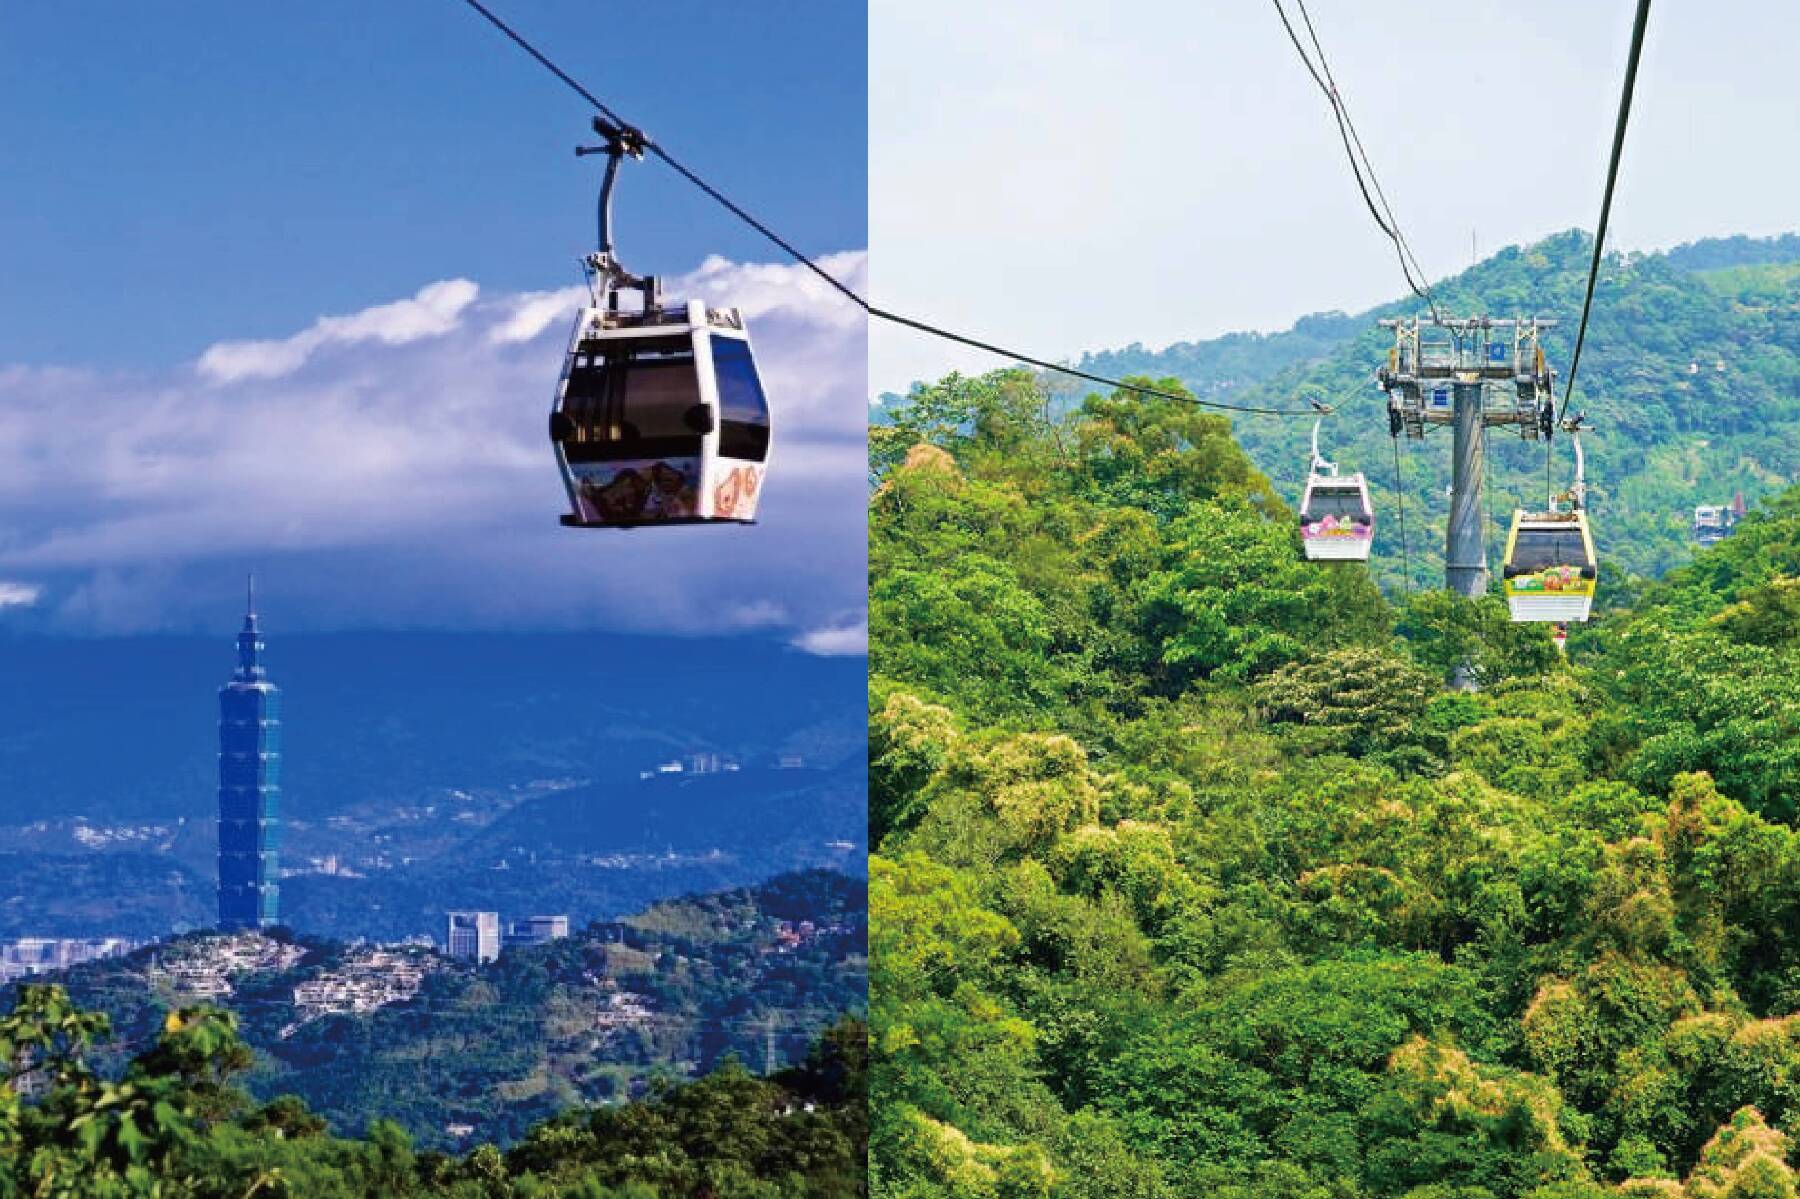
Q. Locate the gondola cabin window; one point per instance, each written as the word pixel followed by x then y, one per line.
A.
pixel 1540 549
pixel 660 394
pixel 1343 504
pixel 743 409
pixel 632 404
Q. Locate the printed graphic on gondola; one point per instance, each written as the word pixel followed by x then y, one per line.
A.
pixel 736 494
pixel 1337 526
pixel 1552 580
pixel 645 489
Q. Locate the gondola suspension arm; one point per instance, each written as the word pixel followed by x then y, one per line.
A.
pixel 1576 495
pixel 1578 490
pixel 622 141
pixel 1319 465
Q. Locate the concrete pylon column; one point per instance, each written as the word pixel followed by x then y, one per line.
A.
pixel 1465 546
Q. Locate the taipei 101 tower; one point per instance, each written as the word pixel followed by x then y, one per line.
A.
pixel 249 787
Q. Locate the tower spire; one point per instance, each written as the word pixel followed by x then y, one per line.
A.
pixel 249 640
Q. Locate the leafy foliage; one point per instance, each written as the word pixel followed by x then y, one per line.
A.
pixel 1194 880
pixel 173 1127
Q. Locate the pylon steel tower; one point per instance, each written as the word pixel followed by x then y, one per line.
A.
pixel 1472 374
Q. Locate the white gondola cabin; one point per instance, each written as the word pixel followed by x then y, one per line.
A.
pixel 1337 523
pixel 1550 571
pixel 660 418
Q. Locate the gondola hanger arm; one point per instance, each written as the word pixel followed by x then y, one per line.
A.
pixel 1319 465
pixel 621 141
pixel 1574 427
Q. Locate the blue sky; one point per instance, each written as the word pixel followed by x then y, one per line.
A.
pixel 287 289
pixel 221 169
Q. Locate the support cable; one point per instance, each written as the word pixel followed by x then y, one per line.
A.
pixel 1353 149
pixel 1606 200
pixel 838 285
pixel 1491 532
pixel 1400 505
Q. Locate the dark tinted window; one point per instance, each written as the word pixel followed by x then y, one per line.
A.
pixel 658 394
pixel 632 403
pixel 743 409
pixel 1334 503
pixel 1535 550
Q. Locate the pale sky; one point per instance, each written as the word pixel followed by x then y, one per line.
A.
pixel 1065 176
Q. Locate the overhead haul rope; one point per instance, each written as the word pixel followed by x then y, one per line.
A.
pixel 1491 532
pixel 1363 171
pixel 837 285
pixel 1549 485
pixel 1380 209
pixel 1612 179
pixel 1623 119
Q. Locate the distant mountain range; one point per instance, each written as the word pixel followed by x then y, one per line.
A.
pixel 602 850
pixel 1690 377
pixel 423 771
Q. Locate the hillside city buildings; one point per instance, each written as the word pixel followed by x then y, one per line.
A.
pixel 1714 522
pixel 536 930
pixel 473 935
pixel 29 956
pixel 476 936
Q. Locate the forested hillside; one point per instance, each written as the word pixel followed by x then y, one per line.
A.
pixel 175 1126
pixel 1194 880
pixel 1691 378
pixel 460 1053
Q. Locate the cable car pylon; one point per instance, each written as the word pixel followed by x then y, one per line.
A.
pixel 1473 374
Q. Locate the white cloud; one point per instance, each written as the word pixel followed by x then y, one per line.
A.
pixel 836 640
pixel 18 595
pixel 764 289
pixel 758 290
pixel 535 311
pixel 431 313
pixel 404 478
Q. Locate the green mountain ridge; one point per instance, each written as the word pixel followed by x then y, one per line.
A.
pixel 1671 430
